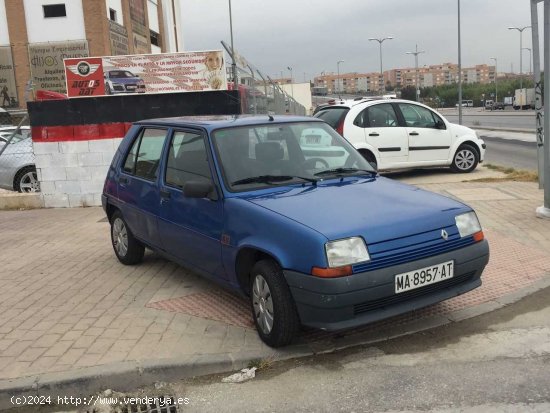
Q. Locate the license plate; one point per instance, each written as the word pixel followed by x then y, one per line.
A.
pixel 129 87
pixel 424 276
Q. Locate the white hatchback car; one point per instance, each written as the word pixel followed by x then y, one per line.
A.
pixel 395 134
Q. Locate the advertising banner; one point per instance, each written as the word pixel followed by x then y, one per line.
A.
pixel 46 63
pixel 151 73
pixel 8 93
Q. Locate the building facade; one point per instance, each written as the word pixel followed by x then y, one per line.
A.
pixel 434 75
pixel 36 35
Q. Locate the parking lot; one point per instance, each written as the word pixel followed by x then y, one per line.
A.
pixel 69 306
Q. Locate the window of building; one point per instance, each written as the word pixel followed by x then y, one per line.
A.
pixel 112 15
pixel 155 38
pixel 54 10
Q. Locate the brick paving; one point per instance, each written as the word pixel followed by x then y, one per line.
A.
pixel 66 303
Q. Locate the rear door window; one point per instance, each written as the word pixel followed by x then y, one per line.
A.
pixel 144 157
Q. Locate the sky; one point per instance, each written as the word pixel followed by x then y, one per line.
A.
pixel 311 36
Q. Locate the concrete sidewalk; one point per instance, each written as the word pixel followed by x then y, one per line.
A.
pixel 73 320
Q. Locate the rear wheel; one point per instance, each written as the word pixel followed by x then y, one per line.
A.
pixel 273 307
pixel 26 180
pixel 465 160
pixel 128 249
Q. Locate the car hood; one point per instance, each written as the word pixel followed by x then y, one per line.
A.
pixel 378 209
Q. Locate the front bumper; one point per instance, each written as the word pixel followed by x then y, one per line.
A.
pixel 347 302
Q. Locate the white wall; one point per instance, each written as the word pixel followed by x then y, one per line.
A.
pixel 72 174
pixel 171 34
pixel 54 29
pixel 117 6
pixel 152 10
pixel 4 35
pixel 302 94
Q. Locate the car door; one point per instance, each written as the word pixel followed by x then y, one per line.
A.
pixel 191 228
pixel 138 184
pixel 429 138
pixel 384 134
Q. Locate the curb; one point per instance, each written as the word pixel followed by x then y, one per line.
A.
pixel 499 129
pixel 15 201
pixel 126 376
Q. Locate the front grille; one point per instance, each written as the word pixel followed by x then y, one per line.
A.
pixel 408 295
pixel 393 252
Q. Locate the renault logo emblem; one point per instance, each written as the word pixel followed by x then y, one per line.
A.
pixel 444 235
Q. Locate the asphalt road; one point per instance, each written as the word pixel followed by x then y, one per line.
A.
pixel 498 119
pixel 498 362
pixel 510 153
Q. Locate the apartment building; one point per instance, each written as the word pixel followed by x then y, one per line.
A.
pixel 434 75
pixel 36 35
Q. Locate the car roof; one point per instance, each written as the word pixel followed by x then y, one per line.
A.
pixel 354 102
pixel 225 121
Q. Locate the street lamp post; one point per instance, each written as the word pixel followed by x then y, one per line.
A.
pixel 459 70
pixel 530 59
pixel 520 30
pixel 233 64
pixel 496 76
pixel 292 89
pixel 380 41
pixel 338 77
pixel 416 53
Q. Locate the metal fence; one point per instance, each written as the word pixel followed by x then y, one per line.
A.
pixel 259 93
pixel 17 166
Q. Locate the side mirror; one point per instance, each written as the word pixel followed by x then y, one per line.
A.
pixel 194 189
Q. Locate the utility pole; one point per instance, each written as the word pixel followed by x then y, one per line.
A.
pixel 416 53
pixel 459 71
pixel 496 77
pixel 233 63
pixel 380 41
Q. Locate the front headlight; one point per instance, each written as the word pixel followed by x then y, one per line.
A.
pixel 467 224
pixel 346 252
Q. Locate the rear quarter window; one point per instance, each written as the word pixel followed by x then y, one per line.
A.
pixel 332 116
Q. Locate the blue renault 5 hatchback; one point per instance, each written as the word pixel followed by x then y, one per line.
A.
pixel 286 211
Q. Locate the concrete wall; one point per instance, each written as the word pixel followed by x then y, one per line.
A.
pixel 72 173
pixel 4 34
pixel 40 29
pixel 302 94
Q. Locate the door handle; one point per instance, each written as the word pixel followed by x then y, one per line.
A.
pixel 165 194
pixel 374 134
pixel 123 180
pixel 414 134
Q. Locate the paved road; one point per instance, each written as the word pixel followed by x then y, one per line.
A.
pixel 499 119
pixel 495 363
pixel 511 153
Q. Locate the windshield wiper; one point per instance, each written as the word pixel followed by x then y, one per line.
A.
pixel 340 171
pixel 267 179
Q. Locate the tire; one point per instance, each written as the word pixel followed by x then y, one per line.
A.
pixel 108 89
pixel 26 180
pixel 270 299
pixel 128 249
pixel 465 159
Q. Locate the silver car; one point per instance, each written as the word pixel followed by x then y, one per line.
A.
pixel 17 168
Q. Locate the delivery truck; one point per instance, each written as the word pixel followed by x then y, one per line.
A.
pixel 524 99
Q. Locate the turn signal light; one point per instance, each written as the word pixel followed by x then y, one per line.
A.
pixel 478 236
pixel 332 272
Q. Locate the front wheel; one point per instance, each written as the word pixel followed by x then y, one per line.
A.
pixel 465 160
pixel 128 249
pixel 273 307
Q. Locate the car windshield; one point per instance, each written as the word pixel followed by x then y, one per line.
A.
pixel 278 154
pixel 118 74
pixel 18 137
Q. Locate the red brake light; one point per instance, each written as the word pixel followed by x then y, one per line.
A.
pixel 340 126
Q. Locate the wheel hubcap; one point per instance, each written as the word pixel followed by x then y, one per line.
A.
pixel 465 159
pixel 29 183
pixel 263 304
pixel 120 237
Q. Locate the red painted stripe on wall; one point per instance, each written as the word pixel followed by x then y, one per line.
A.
pixel 80 132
